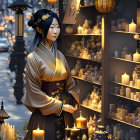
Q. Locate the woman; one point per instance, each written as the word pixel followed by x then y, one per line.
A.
pixel 51 93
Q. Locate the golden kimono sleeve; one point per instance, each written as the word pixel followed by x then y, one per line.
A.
pixel 71 87
pixel 35 98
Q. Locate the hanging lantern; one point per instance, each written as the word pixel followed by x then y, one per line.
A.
pixel 105 6
pixel 52 1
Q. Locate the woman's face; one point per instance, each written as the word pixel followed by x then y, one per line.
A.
pixel 53 31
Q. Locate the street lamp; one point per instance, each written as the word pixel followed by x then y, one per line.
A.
pixel 19 53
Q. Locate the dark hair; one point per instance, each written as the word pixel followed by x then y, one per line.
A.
pixel 42 24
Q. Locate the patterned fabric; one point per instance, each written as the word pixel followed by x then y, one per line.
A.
pixel 53 125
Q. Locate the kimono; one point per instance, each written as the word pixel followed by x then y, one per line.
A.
pixel 43 67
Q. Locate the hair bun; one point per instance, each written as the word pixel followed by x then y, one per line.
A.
pixel 31 23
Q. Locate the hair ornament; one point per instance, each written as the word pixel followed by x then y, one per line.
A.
pixel 45 16
pixel 32 16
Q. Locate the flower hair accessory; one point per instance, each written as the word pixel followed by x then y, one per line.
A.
pixel 45 16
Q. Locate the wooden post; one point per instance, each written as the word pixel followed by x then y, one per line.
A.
pixel 105 68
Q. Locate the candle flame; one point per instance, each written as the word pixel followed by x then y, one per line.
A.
pixel 81 114
pixel 74 126
pixel 38 128
pixel 133 21
pixel 67 126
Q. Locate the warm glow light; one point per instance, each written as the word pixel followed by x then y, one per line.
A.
pixel 2 28
pixel 38 134
pixel 52 1
pixel 132 26
pixel 125 79
pixel 105 6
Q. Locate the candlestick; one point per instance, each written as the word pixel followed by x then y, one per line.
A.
pixel 136 57
pixel 132 26
pixel 125 79
pixel 80 30
pixel 38 134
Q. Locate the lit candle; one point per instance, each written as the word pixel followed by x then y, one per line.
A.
pixel 38 134
pixel 132 26
pixel 136 57
pixel 67 131
pixel 80 30
pixel 125 79
pixel 81 122
pixel 75 133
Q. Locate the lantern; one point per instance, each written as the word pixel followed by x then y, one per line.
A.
pixel 105 6
pixel 3 114
pixel 52 1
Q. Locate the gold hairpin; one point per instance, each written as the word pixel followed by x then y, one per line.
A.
pixel 45 16
pixel 39 20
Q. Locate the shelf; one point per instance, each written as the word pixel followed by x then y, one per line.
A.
pixel 88 6
pixel 124 97
pixel 123 122
pixel 121 59
pixel 90 108
pixel 126 32
pixel 125 85
pixel 82 34
pixel 96 83
pixel 83 58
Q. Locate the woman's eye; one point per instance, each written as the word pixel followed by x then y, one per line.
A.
pixel 58 27
pixel 51 27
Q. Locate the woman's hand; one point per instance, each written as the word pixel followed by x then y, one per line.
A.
pixel 68 108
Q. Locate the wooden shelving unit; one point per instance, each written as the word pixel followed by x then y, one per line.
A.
pixel 88 6
pixel 82 34
pixel 96 111
pixel 111 42
pixel 120 121
pixel 117 95
pixel 125 85
pixel 96 83
pixel 120 59
pixel 124 32
pixel 85 86
pixel 83 58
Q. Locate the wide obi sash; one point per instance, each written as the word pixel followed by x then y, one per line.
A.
pixel 54 89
